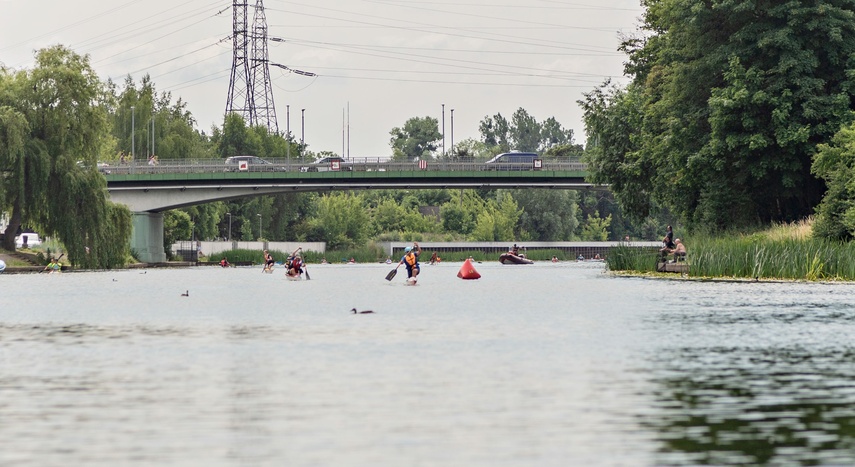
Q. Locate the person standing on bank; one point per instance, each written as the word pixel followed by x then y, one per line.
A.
pixel 667 242
pixel 411 260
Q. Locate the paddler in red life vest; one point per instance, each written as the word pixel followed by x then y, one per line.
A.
pixel 411 260
pixel 295 263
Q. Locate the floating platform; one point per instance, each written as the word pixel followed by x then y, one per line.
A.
pixel 680 268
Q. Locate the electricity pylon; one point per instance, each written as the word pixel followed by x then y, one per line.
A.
pixel 250 94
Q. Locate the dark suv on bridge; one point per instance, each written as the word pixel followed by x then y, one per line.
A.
pixel 512 161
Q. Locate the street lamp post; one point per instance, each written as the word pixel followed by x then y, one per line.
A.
pixel 133 127
pixel 288 133
pixel 152 132
pixel 230 225
pixel 452 130
pixel 443 130
pixel 259 227
pixel 302 126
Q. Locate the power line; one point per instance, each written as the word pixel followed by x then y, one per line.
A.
pixel 465 64
pixel 450 31
pixel 175 31
pixel 69 26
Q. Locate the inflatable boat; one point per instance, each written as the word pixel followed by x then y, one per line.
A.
pixel 509 258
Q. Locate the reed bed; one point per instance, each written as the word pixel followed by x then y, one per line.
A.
pixel 779 253
pixel 804 259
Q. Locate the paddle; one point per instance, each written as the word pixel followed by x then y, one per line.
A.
pixel 391 274
pixel 306 270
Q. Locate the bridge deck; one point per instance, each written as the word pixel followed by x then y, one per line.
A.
pixel 369 175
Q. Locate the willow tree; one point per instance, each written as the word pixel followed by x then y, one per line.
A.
pixel 53 123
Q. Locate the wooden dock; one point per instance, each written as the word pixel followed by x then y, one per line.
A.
pixel 680 268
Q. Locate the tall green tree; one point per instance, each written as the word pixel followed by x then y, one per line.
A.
pixel 496 133
pixel 64 106
pixel 145 123
pixel 733 97
pixel 498 222
pixel 613 118
pixel 523 133
pixel 553 135
pixel 417 139
pixel 460 214
pixel 595 228
pixel 238 140
pixel 342 220
pixel 547 215
pixel 835 163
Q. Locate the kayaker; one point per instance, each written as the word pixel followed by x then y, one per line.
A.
pixel 53 265
pixel 268 262
pixel 411 260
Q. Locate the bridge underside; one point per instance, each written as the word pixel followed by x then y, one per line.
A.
pixel 149 196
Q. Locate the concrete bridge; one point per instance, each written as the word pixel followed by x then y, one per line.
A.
pixel 149 190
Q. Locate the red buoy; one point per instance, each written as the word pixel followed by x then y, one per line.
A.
pixel 467 271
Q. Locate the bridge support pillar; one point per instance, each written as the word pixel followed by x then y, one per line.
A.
pixel 147 237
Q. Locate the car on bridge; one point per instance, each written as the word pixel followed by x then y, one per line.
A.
pixel 513 161
pixel 251 164
pixel 329 164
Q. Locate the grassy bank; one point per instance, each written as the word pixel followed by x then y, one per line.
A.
pixel 781 252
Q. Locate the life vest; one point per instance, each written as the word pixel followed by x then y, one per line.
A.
pixel 411 259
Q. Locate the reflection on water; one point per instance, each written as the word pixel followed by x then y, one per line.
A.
pixel 755 374
pixel 744 405
pixel 548 365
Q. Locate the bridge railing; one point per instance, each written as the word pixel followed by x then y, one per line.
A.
pixel 168 166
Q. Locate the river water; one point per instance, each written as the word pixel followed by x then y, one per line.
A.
pixel 546 364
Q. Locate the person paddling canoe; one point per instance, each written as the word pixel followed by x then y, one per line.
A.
pixel 295 263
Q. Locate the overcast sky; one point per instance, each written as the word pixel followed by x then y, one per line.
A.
pixel 387 60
